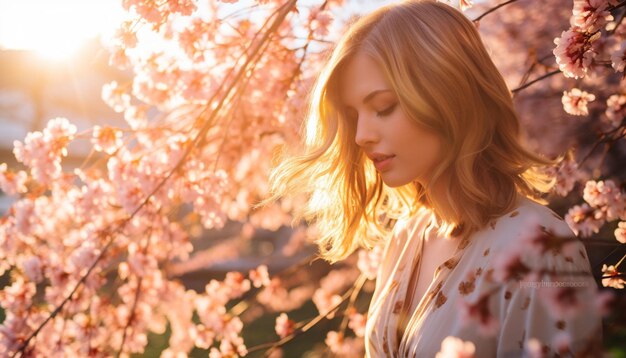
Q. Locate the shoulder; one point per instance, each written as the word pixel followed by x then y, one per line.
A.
pixel 510 228
pixel 536 236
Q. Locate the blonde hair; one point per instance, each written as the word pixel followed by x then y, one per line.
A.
pixel 445 81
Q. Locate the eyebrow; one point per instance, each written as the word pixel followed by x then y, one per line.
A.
pixel 373 94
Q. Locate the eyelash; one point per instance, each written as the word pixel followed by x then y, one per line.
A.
pixel 384 113
pixel 389 110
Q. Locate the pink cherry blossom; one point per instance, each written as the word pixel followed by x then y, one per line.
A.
pixel 149 11
pixel 618 58
pixel 344 346
pixel 582 220
pixel 562 343
pixel 575 102
pixel 11 182
pixel 478 313
pixel 566 176
pixel 59 130
pixel 606 197
pixel 620 232
pixel 83 257
pixel 562 302
pixel 509 265
pixel 357 322
pixel 284 326
pixel 533 348
pixel 320 21
pixel 237 284
pixel 465 4
pixel 42 151
pixel 23 216
pixel 203 336
pixel 125 36
pixel 119 58
pixel 453 347
pixel 332 285
pixel 574 52
pixel 115 96
pixel 136 117
pixel 611 277
pixel 197 86
pixel 259 276
pixel 183 7
pixel 369 261
pixel 151 86
pixel 106 139
pixel 324 301
pixel 277 298
pixel 590 15
pixel 33 269
pixel 17 297
pixel 615 109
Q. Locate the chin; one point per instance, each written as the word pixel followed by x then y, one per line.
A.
pixel 394 182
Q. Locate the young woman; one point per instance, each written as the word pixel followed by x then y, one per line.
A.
pixel 412 139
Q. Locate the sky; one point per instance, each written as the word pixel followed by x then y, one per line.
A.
pixel 58 27
pixel 55 27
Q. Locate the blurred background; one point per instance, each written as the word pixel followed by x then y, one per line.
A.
pixel 53 63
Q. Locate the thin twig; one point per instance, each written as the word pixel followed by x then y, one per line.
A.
pixel 493 9
pixel 273 345
pixel 549 74
pixel 605 137
pixel 620 261
pixel 355 293
pixel 131 317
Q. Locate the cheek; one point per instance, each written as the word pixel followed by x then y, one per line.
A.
pixel 424 146
pixel 420 147
pixel 431 145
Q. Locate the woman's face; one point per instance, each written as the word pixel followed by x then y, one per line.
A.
pixel 401 150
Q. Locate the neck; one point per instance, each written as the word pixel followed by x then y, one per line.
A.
pixel 440 203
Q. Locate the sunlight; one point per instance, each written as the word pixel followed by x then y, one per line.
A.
pixel 55 29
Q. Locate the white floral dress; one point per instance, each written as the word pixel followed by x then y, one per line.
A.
pixel 523 314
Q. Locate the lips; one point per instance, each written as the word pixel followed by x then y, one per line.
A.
pixel 381 161
pixel 379 156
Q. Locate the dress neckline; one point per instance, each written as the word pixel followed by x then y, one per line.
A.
pixel 433 289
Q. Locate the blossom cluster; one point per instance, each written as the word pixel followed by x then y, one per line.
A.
pixel 575 51
pixel 196 152
pixel 42 151
pixel 605 202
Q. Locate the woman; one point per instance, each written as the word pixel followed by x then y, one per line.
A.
pixel 411 123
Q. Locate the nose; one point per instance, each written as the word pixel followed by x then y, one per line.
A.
pixel 366 132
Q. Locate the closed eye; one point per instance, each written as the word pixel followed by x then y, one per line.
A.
pixel 387 111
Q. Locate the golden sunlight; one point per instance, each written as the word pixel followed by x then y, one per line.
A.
pixel 55 29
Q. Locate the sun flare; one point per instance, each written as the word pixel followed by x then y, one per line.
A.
pixel 55 29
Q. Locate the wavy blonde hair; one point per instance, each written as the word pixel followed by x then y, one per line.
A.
pixel 445 81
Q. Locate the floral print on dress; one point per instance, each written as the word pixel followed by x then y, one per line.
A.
pixel 520 315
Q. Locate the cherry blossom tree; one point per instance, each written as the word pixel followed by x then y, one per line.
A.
pixel 218 88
